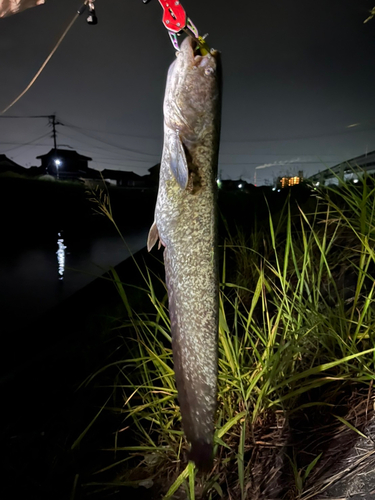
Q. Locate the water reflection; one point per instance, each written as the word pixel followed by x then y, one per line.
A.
pixel 61 256
pixel 29 286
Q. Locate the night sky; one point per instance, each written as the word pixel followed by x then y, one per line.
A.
pixel 299 83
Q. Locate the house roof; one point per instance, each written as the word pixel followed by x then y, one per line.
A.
pixel 120 174
pixel 65 153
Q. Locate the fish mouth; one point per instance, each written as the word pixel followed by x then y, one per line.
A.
pixel 195 47
pixel 196 50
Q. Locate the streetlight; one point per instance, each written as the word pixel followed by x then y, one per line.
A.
pixel 57 164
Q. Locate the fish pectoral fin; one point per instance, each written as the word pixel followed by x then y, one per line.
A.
pixel 153 236
pixel 178 161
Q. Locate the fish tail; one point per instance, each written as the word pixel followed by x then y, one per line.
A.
pixel 201 453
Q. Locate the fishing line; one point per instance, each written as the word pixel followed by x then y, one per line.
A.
pixel 76 15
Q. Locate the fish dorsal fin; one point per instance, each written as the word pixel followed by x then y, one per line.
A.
pixel 153 236
pixel 178 161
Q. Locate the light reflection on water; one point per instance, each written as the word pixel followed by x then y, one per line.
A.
pixel 28 284
pixel 61 256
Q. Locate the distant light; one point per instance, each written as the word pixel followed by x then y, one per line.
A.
pixel 61 256
pixel 355 181
pixel 240 186
pixel 273 189
pixel 218 181
pixel 58 162
pixel 278 190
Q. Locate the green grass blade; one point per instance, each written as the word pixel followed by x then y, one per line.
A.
pixel 350 426
pixel 176 485
pixel 83 434
pixel 311 466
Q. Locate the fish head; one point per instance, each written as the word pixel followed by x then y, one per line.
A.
pixel 192 98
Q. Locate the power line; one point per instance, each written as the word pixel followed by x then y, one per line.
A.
pixel 117 147
pixel 121 158
pixel 111 133
pixel 295 163
pixel 113 145
pixel 52 119
pixel 122 165
pixel 24 117
pixel 301 138
pixel 223 143
pixel 20 144
pixel 27 143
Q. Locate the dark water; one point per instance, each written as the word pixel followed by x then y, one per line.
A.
pixel 38 278
pixel 53 244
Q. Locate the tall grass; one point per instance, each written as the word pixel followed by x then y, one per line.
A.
pixel 296 325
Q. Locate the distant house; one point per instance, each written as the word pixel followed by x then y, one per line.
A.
pixel 153 176
pixel 124 178
pixel 289 181
pixel 65 164
pixel 130 179
pixel 8 165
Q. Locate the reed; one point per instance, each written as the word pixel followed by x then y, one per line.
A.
pixel 296 329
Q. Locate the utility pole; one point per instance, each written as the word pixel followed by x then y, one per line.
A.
pixel 57 162
pixel 54 123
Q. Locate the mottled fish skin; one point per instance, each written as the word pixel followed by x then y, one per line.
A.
pixel 186 224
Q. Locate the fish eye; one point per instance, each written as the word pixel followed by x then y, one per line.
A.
pixel 209 71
